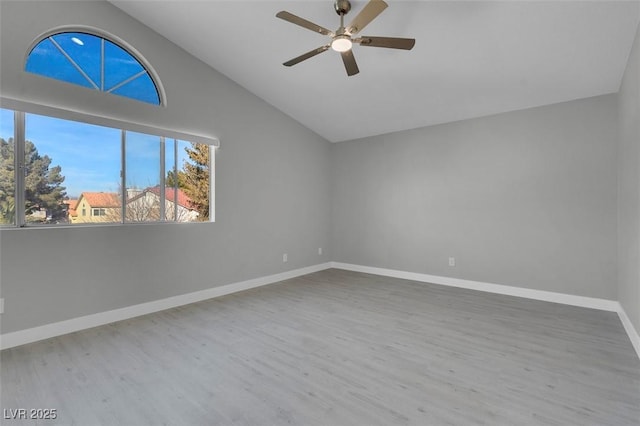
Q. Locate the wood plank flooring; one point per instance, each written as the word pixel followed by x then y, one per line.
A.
pixel 337 348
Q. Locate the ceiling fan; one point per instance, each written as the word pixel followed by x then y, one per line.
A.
pixel 342 40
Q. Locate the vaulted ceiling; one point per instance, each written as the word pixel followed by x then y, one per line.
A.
pixel 471 59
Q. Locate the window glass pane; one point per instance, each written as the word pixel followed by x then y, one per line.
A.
pixel 143 177
pixel 193 178
pixel 47 60
pixel 141 88
pixel 71 168
pixel 7 175
pixel 85 51
pixel 66 56
pixel 119 65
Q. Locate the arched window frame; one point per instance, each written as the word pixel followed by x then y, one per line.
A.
pixel 153 75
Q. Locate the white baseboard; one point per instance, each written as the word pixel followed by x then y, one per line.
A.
pixel 16 338
pixel 630 329
pixel 547 296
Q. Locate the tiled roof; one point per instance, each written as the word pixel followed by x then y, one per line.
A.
pixel 102 199
pixel 71 209
pixel 183 199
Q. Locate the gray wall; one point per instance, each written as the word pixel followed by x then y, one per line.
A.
pixel 525 199
pixel 272 192
pixel 629 187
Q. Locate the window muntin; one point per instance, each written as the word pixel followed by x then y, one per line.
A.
pixel 94 62
pixel 74 174
pixel 171 211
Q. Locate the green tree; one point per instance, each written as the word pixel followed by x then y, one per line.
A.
pixel 43 183
pixel 196 175
pixel 193 179
pixel 7 182
pixel 175 182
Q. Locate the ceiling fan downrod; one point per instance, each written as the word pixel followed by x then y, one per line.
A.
pixel 342 7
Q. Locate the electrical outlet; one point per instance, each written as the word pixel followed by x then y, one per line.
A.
pixel 452 261
pixel 2 306
pixel 285 257
pixel 320 251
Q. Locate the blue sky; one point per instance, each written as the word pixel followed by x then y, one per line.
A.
pixel 86 51
pixel 90 156
pixel 6 124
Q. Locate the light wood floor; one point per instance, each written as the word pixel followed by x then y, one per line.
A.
pixel 337 348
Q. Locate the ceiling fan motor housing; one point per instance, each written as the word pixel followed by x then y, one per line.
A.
pixel 342 7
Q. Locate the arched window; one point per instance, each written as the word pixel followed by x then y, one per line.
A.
pixel 94 62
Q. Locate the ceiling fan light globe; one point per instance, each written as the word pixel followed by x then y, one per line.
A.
pixel 341 44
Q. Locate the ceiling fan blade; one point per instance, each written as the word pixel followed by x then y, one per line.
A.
pixel 350 62
pixel 388 42
pixel 366 15
pixel 306 56
pixel 290 17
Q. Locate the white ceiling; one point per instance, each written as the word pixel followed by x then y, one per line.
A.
pixel 471 59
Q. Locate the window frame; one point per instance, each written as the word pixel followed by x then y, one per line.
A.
pixel 155 78
pixel 19 145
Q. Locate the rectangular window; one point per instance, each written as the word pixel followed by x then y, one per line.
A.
pixel 120 176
